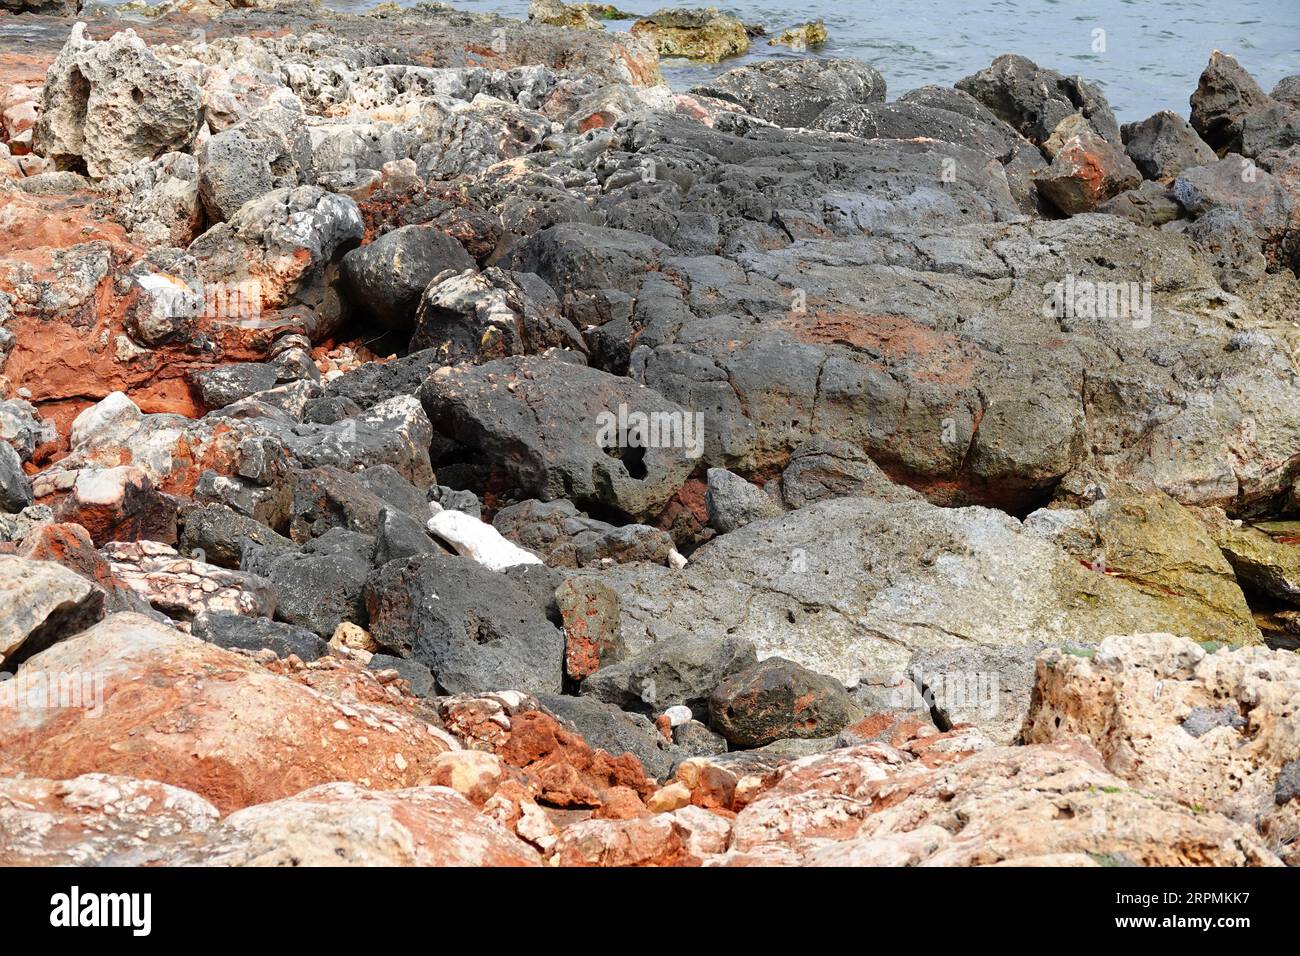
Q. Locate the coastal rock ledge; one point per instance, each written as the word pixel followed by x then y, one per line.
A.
pixel 430 439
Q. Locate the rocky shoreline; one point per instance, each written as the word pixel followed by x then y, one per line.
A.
pixel 428 439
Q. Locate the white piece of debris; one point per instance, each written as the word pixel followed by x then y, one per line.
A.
pixel 472 538
pixel 678 715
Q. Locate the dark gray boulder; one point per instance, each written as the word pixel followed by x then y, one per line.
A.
pixel 1151 204
pixel 326 498
pixel 1165 144
pixel 393 432
pixel 679 670
pixel 398 535
pixel 1230 244
pixel 15 487
pixel 551 429
pixel 795 92
pixel 824 468
pixel 776 699
pixel 1288 783
pixel 473 628
pixel 284 403
pixel 456 499
pixel 593 269
pixel 218 535
pixel 1035 100
pixel 565 537
pixel 385 278
pixel 969 125
pixel 1287 90
pixel 1225 95
pixel 732 502
pixel 539 583
pixel 54 7
pixel 386 482
pixel 953 100
pixel 1273 129
pixel 234 168
pixel 320 586
pixel 329 409
pixel 266 504
pixel 1201 720
pixel 1263 201
pixel 696 739
pixel 240 632
pixel 377 382
pixel 227 384
pixel 476 317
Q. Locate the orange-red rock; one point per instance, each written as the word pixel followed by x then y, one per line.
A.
pixel 119 504
pixel 646 841
pixel 568 771
pixel 565 770
pixel 196 716
pixel 70 545
pixel 685 837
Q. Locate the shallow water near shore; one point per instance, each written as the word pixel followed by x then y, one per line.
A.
pixel 1154 50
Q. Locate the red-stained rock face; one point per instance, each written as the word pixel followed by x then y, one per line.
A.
pixel 710 786
pixel 569 772
pixel 172 708
pixel 122 467
pixel 564 771
pixel 120 504
pixel 72 344
pixel 1086 172
pixel 71 545
pixel 685 837
pixel 590 614
pixel 653 841
pixel 685 516
pixel 917 736
pixel 474 774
